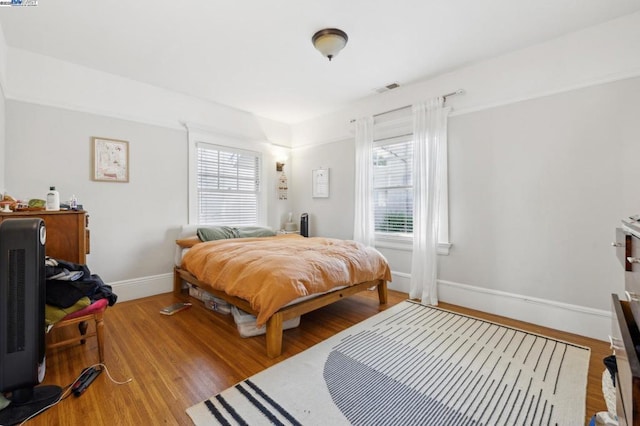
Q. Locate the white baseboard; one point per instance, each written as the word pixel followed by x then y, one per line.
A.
pixel 594 323
pixel 400 282
pixel 137 288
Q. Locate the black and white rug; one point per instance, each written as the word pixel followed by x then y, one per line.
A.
pixel 414 364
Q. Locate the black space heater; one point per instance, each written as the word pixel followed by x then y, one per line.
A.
pixel 304 224
pixel 22 327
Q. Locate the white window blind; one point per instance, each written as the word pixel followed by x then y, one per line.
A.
pixel 393 185
pixel 228 185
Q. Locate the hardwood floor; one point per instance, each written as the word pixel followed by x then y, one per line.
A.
pixel 177 361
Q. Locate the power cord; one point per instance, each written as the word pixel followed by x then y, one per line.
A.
pixel 106 370
pixel 68 389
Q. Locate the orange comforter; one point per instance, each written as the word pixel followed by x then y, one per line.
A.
pixel 270 272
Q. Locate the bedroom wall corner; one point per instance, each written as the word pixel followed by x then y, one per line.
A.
pixel 279 203
pixel 333 216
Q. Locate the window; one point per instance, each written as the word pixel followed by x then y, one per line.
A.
pixel 227 185
pixel 393 185
pixel 393 203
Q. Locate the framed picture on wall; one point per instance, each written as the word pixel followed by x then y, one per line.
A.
pixel 320 183
pixel 110 160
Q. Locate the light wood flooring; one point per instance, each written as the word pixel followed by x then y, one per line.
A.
pixel 177 361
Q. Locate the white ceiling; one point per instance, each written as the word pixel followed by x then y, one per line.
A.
pixel 256 55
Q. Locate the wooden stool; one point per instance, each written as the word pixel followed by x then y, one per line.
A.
pixel 94 312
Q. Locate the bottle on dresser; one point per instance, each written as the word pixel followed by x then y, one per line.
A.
pixel 53 199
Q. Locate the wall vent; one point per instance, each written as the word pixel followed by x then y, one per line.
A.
pixel 387 87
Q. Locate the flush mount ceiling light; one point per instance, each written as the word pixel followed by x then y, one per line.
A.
pixel 330 41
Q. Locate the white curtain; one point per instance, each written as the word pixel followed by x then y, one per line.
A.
pixel 429 160
pixel 363 226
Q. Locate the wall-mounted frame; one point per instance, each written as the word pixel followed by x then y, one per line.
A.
pixel 110 160
pixel 320 183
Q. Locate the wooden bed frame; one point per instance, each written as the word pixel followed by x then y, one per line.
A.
pixel 274 323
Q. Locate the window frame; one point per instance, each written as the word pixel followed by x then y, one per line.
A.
pixel 399 124
pixel 232 145
pixel 405 138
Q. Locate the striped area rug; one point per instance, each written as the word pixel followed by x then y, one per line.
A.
pixel 414 364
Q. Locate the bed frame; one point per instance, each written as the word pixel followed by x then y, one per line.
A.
pixel 274 323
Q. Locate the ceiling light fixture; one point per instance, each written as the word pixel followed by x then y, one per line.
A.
pixel 330 41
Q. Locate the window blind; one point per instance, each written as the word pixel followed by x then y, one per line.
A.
pixel 393 185
pixel 228 185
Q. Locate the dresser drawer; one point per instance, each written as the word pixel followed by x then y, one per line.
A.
pixel 625 337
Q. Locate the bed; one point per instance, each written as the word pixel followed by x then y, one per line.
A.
pixel 277 277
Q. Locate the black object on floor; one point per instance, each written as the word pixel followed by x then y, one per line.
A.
pixel 86 378
pixel 43 396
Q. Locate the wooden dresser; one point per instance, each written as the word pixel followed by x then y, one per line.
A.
pixel 625 338
pixel 67 233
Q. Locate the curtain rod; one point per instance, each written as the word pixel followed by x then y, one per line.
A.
pixel 457 92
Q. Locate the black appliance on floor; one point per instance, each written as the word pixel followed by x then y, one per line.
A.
pixel 304 224
pixel 22 327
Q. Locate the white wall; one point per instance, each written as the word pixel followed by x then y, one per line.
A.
pixel 542 158
pixel 328 217
pixel 133 225
pixel 537 189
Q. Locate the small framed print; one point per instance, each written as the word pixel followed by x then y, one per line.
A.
pixel 110 160
pixel 320 183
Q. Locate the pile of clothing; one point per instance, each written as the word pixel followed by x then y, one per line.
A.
pixel 71 287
